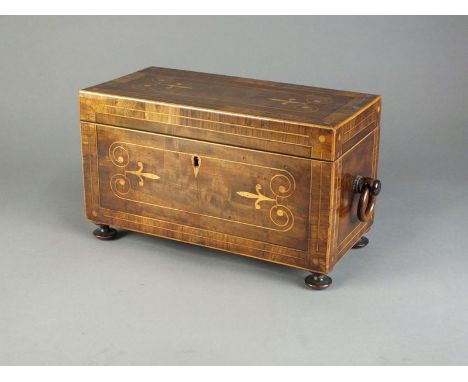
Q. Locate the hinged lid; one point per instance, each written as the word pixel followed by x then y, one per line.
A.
pixel 270 116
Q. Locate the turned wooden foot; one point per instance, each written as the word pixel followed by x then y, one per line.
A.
pixel 318 281
pixel 363 241
pixel 104 232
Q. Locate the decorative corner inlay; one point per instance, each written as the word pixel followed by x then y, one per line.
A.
pixel 282 187
pixel 120 183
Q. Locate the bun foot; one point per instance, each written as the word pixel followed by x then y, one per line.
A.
pixel 318 281
pixel 104 232
pixel 363 241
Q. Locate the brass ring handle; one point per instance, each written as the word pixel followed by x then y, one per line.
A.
pixel 369 189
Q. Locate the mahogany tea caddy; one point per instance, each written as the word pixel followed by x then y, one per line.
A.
pixel 279 172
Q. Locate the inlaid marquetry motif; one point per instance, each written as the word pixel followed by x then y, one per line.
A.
pixel 307 104
pixel 140 174
pixel 291 101
pixel 162 83
pixel 120 183
pixel 278 216
pixel 282 187
pixel 177 85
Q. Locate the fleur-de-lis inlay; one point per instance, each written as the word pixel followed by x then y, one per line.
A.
pixel 120 157
pixel 140 174
pixel 282 186
pixel 259 196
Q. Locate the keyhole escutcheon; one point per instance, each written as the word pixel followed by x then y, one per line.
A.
pixel 196 162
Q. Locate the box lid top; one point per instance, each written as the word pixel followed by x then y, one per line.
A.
pixel 260 99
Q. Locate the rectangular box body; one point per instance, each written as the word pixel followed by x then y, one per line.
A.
pixel 257 168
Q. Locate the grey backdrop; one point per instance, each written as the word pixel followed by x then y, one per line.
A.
pixel 66 298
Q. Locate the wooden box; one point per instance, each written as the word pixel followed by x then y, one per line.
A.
pixel 283 173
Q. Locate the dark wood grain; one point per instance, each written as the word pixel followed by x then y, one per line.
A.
pixel 347 228
pixel 290 119
pixel 231 189
pixel 264 99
